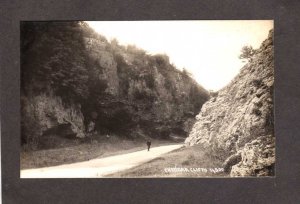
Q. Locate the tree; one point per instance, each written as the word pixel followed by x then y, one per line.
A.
pixel 247 53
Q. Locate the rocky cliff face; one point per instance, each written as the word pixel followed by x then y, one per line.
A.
pixel 151 94
pixel 237 125
pixel 75 82
pixel 46 115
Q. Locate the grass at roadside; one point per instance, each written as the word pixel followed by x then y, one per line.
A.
pixel 195 159
pixel 83 152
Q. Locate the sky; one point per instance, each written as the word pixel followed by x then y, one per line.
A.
pixel 208 49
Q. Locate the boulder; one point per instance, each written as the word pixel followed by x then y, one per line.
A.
pixel 257 158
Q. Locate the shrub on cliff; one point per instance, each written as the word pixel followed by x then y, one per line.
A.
pixel 161 60
pixel 247 52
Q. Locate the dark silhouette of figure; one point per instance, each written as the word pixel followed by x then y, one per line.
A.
pixel 148 145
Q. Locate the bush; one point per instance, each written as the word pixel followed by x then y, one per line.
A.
pixel 247 52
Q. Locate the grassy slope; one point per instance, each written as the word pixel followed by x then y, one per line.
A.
pixel 83 152
pixel 186 157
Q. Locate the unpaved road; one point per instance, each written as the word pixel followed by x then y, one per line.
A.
pixel 99 167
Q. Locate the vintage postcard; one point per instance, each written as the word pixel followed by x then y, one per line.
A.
pixel 135 99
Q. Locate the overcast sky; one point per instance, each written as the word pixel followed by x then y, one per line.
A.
pixel 207 49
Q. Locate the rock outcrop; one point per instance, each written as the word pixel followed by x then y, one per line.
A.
pixel 237 124
pixel 46 115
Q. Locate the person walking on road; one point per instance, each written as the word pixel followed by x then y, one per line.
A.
pixel 148 144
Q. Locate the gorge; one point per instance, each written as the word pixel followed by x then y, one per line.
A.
pixel 76 85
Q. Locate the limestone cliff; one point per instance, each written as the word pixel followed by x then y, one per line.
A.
pixel 75 82
pixel 237 124
pixel 46 114
pixel 147 91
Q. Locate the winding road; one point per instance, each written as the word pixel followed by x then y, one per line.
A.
pixel 97 168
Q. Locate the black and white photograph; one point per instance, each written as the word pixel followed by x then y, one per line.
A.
pixel 147 99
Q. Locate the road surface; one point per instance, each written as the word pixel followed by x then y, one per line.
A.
pixel 99 167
